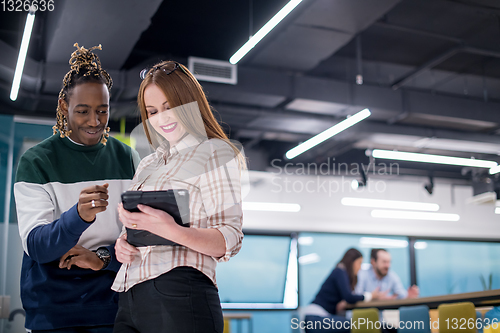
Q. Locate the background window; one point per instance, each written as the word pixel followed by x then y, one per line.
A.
pixel 320 253
pixel 258 273
pixel 451 267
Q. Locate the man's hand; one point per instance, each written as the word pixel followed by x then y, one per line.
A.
pixel 125 252
pixel 381 295
pixel 81 257
pixel 92 200
pixel 413 292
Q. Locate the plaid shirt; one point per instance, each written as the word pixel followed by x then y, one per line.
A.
pixel 209 171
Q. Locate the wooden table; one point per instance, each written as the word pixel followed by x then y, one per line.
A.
pixel 479 298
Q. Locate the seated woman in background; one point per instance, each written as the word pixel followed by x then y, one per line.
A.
pixel 333 295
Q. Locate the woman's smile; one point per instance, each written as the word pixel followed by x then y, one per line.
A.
pixel 169 128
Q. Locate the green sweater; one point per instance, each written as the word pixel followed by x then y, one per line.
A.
pixel 49 179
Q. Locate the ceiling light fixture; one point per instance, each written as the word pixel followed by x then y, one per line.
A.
pixel 420 245
pixel 436 159
pixel 16 83
pixel 310 258
pixel 391 204
pixel 326 134
pixel 255 39
pixel 408 215
pixel 271 207
pixel 382 242
pixel 495 170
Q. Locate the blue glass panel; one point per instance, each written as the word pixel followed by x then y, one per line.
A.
pixel 257 274
pixel 451 267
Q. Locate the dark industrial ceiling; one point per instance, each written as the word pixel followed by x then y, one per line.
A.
pixel 431 70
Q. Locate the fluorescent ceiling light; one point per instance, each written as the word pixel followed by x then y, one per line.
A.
pixel 399 214
pixel 458 145
pixel 495 170
pixel 305 241
pixel 308 259
pixel 264 31
pixel 326 134
pixel 437 159
pixel 22 55
pixel 420 245
pixel 497 210
pixel 382 242
pixel 435 143
pixel 378 203
pixel 271 207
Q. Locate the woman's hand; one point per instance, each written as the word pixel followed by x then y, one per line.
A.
pixel 125 252
pixel 150 219
pixel 92 200
pixel 208 241
pixel 81 257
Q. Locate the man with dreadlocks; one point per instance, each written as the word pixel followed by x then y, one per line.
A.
pixel 63 188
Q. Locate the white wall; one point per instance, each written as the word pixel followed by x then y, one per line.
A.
pixel 321 210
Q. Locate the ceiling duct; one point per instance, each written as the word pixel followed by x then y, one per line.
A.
pixel 213 70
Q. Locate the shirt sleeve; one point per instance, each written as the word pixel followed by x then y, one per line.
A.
pixel 360 286
pixel 397 286
pixel 44 238
pixel 220 188
pixel 342 281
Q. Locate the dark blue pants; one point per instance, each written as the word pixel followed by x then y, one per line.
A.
pixel 182 300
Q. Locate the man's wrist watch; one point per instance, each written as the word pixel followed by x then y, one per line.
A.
pixel 103 254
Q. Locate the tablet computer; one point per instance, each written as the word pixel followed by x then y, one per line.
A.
pixel 174 202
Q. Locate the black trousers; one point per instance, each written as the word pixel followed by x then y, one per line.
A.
pixel 180 301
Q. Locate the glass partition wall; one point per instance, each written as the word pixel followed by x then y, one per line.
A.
pixel 17 135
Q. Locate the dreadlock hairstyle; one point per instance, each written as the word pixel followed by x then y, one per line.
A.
pixel 85 68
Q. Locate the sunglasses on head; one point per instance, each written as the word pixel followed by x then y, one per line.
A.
pixel 168 68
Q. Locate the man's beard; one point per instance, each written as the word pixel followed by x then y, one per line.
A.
pixel 379 272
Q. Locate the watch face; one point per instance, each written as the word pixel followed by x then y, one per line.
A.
pixel 103 254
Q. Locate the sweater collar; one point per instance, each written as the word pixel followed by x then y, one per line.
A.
pixel 83 148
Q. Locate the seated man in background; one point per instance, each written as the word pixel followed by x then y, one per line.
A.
pixel 380 279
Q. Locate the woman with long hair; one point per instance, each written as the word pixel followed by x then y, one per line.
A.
pixel 334 293
pixel 172 287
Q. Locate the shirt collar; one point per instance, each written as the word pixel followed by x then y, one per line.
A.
pixel 186 142
pixel 375 276
pixel 76 143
